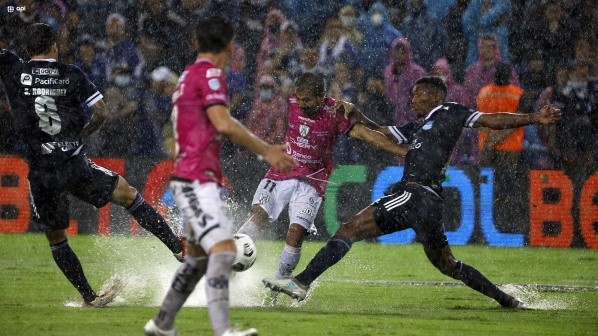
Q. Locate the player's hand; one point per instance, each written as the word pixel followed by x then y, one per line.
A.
pixel 347 107
pixel 277 157
pixel 548 115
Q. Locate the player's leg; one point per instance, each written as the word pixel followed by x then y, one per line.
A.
pixel 128 197
pixel 361 226
pixel 257 220
pixel 51 209
pixel 303 206
pixel 442 258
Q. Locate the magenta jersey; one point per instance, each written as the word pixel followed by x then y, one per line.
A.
pixel 200 86
pixel 310 142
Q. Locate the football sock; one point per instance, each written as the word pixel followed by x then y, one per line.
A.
pixel 185 279
pixel 474 279
pixel 150 220
pixel 219 268
pixel 289 258
pixel 69 264
pixel 335 250
pixel 249 228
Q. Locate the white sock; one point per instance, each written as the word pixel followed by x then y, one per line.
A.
pixel 217 294
pixel 250 228
pixel 289 258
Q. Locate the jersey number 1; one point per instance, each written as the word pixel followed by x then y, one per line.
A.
pixel 49 120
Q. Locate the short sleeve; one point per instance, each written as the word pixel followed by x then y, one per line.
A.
pixel 461 114
pixel 213 85
pixel 86 90
pixel 403 133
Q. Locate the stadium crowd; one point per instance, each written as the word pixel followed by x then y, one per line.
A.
pixel 370 52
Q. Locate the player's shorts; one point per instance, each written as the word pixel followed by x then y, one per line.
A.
pixel 416 207
pixel 303 200
pixel 205 212
pixel 79 176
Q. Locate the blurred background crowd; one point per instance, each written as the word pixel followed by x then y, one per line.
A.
pixel 370 52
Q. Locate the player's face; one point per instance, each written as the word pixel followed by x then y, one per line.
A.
pixel 425 98
pixel 309 103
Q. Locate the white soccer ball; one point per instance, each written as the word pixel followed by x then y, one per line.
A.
pixel 246 252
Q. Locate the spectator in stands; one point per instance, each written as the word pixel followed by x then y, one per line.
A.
pixel 378 35
pixel 343 87
pixel 424 32
pixel 120 50
pixel 289 51
pixel 250 32
pixel 501 149
pixel 309 61
pixel 484 17
pixel 237 81
pixel 400 75
pixel 157 101
pixel 268 115
pixel 92 64
pixel 231 10
pixel 349 19
pixel 15 24
pixel 455 47
pixel 94 14
pixel 159 24
pixel 482 72
pixel 271 39
pixel 335 47
pixel 466 151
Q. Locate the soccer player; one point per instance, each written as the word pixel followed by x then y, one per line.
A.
pixel 46 98
pixel 314 128
pixel 200 115
pixel 416 201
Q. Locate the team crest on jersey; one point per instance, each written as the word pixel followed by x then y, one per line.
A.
pixel 428 125
pixel 26 79
pixel 213 72
pixel 214 84
pixel 303 130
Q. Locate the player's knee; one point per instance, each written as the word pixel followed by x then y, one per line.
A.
pixel 446 267
pixel 55 237
pixel 259 216
pixel 296 235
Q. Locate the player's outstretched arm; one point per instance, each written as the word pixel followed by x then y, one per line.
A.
pixel 99 114
pixel 377 139
pixel 351 111
pixel 547 115
pixel 229 126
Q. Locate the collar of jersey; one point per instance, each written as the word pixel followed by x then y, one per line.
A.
pixel 432 112
pixel 43 60
pixel 199 60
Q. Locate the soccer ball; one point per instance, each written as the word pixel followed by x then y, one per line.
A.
pixel 246 252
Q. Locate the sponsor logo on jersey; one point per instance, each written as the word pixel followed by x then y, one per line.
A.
pixel 303 130
pixel 302 143
pixel 309 212
pixel 213 72
pixel 45 71
pixel 214 84
pixel 414 145
pixel 306 119
pixel 216 96
pixel 26 79
pixel 428 125
pixel 52 81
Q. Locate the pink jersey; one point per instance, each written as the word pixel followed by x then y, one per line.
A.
pixel 201 85
pixel 310 142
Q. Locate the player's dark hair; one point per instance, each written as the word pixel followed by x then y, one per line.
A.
pixel 40 38
pixel 433 81
pixel 311 82
pixel 213 34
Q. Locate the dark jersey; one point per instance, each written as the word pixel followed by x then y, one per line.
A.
pixel 431 142
pixel 46 99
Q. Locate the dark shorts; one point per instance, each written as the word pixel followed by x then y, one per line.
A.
pixel 79 176
pixel 415 207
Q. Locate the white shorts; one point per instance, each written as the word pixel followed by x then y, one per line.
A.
pixel 302 198
pixel 205 213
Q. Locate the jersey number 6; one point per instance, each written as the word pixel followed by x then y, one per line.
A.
pixel 49 120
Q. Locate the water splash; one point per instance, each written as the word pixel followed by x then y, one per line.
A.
pixel 532 299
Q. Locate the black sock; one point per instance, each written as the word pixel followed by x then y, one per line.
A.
pixel 335 250
pixel 474 279
pixel 69 264
pixel 150 220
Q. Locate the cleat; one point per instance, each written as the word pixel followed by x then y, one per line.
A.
pixel 236 332
pixel 514 303
pixel 289 286
pixel 271 299
pixel 111 289
pixel 181 255
pixel 150 329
